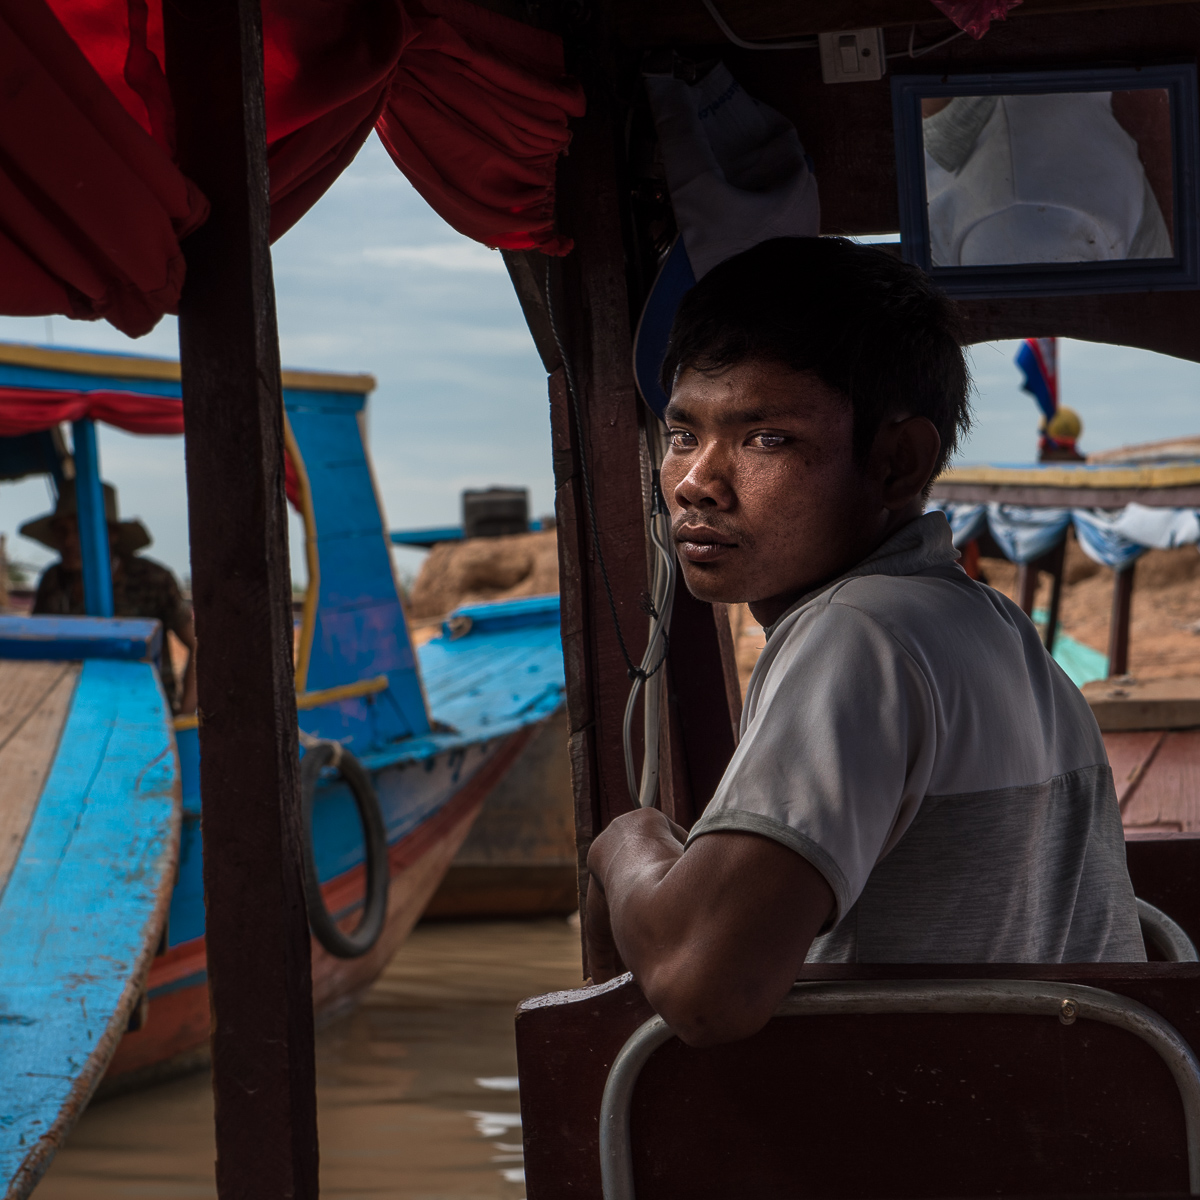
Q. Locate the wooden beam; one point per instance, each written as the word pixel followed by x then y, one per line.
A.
pixel 1118 627
pixel 1057 568
pixel 590 303
pixel 704 706
pixel 259 967
pixel 1064 497
pixel 687 23
pixel 598 287
pixel 1027 582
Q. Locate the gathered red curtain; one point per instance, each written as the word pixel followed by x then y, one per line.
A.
pixel 30 410
pixel 91 207
pixel 473 108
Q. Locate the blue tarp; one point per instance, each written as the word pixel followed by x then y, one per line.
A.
pixel 1113 539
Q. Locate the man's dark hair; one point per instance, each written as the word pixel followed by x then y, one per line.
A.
pixel 865 323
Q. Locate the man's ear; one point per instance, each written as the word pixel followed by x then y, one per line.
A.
pixel 908 449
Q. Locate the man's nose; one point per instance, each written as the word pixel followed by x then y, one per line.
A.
pixel 708 482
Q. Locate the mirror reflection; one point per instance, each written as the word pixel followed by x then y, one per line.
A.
pixel 1060 178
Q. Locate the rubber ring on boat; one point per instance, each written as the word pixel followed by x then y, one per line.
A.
pixel 365 934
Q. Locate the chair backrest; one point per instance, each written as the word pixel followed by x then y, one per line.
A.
pixel 881 1105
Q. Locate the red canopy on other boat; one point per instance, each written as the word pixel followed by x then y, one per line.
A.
pixel 473 108
pixel 30 410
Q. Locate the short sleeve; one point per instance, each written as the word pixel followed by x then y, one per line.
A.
pixel 838 751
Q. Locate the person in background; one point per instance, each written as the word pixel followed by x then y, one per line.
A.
pixel 141 587
pixel 1058 436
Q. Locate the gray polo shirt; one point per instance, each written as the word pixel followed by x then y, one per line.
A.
pixel 907 733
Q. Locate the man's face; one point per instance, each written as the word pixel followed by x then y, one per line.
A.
pixel 766 498
pixel 69 549
pixel 67 531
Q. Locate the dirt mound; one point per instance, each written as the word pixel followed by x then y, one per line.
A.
pixel 500 568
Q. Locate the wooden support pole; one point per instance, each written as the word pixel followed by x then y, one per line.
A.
pixel 1118 627
pixel 704 706
pixel 1056 562
pixel 1027 582
pixel 259 968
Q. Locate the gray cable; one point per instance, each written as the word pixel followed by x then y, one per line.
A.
pixel 723 26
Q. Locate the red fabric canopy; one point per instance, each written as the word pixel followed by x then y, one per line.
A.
pixel 91 208
pixel 30 410
pixel 472 107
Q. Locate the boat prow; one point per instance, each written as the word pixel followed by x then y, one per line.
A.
pixel 89 839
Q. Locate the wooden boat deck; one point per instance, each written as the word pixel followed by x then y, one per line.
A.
pixel 34 699
pixel 89 834
pixel 497 668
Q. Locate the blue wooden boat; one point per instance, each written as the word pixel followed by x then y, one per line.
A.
pixel 89 842
pixel 422 735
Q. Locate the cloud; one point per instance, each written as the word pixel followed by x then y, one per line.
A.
pixel 445 256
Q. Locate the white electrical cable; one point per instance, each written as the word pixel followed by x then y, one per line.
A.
pixel 808 43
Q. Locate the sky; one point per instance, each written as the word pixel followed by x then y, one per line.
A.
pixel 373 280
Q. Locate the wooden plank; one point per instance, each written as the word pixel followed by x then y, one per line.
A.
pixel 137 366
pixel 592 311
pixel 1118 628
pixel 705 702
pixel 680 23
pixel 84 909
pixel 1063 497
pixel 34 700
pixel 259 962
pixel 1152 704
pixel 1167 796
pixel 1129 754
pixel 133 639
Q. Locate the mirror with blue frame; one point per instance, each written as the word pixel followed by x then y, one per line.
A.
pixel 1050 181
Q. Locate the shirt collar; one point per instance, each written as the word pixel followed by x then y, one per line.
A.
pixel 915 547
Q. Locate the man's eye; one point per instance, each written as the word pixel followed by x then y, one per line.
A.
pixel 682 440
pixel 768 441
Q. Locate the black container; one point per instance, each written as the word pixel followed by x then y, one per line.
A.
pixel 495 512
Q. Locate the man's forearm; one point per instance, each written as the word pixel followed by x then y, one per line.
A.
pixel 714 937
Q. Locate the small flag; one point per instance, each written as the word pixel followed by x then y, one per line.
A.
pixel 1038 360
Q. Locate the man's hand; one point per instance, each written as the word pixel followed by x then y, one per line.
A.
pixel 604 959
pixel 715 937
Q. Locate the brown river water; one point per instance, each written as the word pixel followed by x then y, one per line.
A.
pixel 416 1088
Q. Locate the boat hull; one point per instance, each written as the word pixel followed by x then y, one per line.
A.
pixel 445 792
pixel 519 858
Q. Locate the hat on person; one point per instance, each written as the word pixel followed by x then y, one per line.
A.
pixel 127 536
pixel 737 176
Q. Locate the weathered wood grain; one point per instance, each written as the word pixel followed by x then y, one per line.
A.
pixel 84 909
pixel 259 962
pixel 854 1107
pixel 34 699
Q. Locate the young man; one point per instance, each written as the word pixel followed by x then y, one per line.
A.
pixel 917 780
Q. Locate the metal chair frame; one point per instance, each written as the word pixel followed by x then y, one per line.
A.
pixel 1066 1002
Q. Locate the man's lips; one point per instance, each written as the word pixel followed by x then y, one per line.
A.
pixel 699 545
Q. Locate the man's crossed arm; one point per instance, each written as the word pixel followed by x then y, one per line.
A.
pixel 714 937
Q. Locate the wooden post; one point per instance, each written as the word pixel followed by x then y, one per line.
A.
pixel 1027 582
pixel 1056 564
pixel 259 968
pixel 704 706
pixel 90 518
pixel 1118 627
